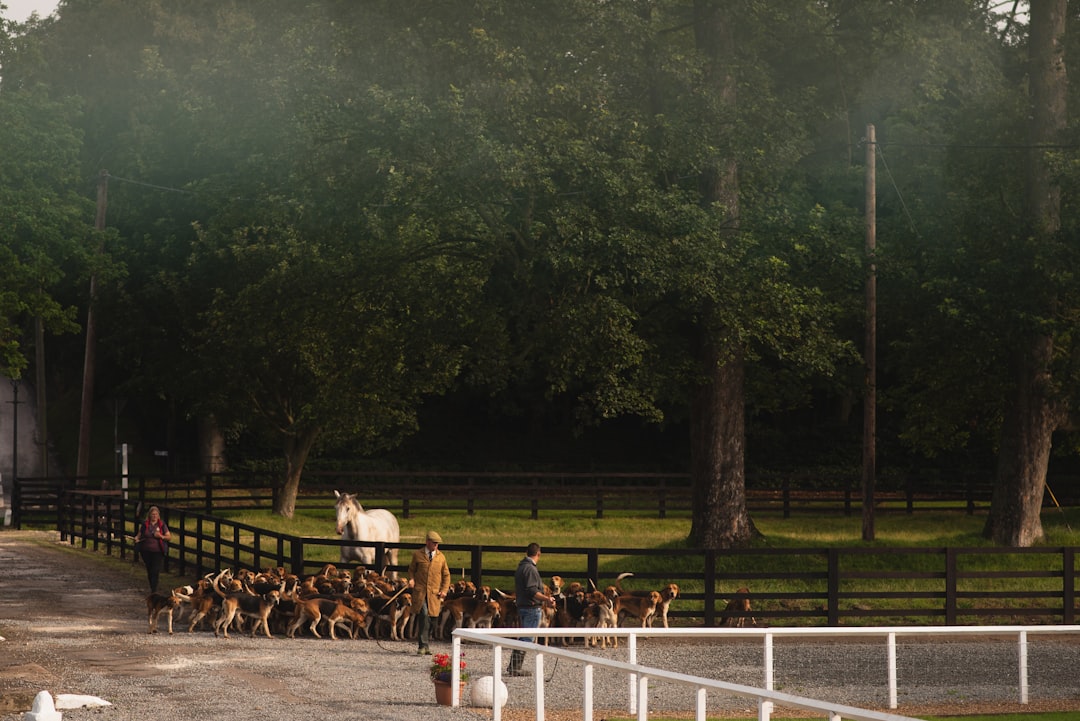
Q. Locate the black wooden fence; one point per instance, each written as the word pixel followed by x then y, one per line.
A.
pixel 411 493
pixel 832 586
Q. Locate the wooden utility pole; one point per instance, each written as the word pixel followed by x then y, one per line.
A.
pixel 42 409
pixel 869 474
pixel 86 411
pixel 15 428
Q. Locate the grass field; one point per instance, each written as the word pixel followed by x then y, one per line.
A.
pixel 504 534
pixel 922 528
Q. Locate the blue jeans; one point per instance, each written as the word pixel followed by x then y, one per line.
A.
pixel 529 616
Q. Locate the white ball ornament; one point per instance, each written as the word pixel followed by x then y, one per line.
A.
pixel 485 695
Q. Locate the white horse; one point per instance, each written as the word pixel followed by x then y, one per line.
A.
pixel 356 524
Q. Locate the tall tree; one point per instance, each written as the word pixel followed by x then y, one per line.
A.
pixel 602 155
pixel 1034 404
pixel 717 402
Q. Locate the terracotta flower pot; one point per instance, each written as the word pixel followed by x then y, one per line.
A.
pixel 444 692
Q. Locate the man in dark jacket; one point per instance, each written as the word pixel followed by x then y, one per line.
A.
pixel 531 599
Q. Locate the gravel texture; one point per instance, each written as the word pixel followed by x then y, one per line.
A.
pixel 75 623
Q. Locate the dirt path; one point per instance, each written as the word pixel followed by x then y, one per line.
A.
pixel 74 622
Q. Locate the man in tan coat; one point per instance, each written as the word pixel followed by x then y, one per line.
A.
pixel 429 577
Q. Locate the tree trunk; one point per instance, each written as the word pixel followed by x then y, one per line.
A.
pixel 1029 421
pixel 211 445
pixel 297 448
pixel 1032 411
pixel 717 454
pixel 717 403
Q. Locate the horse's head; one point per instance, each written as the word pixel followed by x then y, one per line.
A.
pixel 345 508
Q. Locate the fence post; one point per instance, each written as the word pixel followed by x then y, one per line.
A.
pixel 59 515
pixel 833 600
pixel 950 586
pixel 296 559
pixel 477 565
pixel 16 505
pixel 95 510
pixel 710 588
pixel 786 494
pixel 83 523
pixel 592 564
pixel 1068 585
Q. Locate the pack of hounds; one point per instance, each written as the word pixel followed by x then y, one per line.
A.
pixel 367 604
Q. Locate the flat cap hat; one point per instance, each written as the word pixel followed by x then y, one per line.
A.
pixel 432 536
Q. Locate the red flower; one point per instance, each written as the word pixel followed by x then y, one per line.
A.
pixel 440 668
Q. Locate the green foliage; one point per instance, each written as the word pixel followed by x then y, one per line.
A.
pixel 43 234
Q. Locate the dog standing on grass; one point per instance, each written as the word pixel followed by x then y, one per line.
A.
pixel 738 610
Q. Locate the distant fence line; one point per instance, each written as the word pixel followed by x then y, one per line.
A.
pixel 408 493
pixel 802 586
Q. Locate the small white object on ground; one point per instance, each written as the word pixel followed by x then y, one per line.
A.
pixel 76 700
pixel 43 709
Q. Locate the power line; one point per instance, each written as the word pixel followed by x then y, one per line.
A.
pixel 971 146
pixel 896 188
pixel 165 188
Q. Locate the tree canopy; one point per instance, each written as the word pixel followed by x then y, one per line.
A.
pixel 326 215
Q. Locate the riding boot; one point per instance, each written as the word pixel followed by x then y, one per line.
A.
pixel 517 660
pixel 423 636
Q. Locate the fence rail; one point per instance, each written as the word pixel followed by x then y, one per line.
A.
pixel 766 696
pixel 804 586
pixel 411 493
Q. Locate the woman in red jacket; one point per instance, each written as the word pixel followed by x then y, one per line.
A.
pixel 151 540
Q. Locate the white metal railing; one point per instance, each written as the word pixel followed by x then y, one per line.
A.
pixel 766 697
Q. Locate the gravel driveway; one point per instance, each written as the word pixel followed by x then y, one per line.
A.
pixel 75 622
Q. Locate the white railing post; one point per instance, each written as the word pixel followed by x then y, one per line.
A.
pixel 892 669
pixel 700 706
pixel 539 679
pixel 769 662
pixel 496 679
pixel 455 672
pixel 764 710
pixel 586 711
pixel 631 642
pixel 1023 667
pixel 643 698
